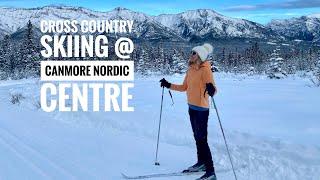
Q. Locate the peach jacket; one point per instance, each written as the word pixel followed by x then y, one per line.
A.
pixel 195 84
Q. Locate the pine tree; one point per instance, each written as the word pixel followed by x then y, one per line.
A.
pixel 6 60
pixel 164 62
pixel 316 79
pixel 28 56
pixel 223 58
pixel 230 62
pixel 143 61
pixel 178 64
pixel 275 70
pixel 2 65
pixel 135 58
pixel 214 64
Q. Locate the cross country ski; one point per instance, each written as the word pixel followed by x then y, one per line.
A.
pixel 172 174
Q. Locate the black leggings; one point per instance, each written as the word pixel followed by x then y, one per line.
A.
pixel 199 123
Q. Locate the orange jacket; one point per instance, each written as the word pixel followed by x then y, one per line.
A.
pixel 195 84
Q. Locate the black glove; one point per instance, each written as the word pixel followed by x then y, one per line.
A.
pixel 165 83
pixel 210 89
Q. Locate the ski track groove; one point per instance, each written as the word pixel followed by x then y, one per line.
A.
pixel 51 140
pixel 22 157
pixel 14 147
pixel 41 155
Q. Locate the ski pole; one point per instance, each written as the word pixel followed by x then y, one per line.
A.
pixel 224 137
pixel 156 161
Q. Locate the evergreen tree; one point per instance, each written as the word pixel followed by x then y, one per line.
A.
pixel 178 64
pixel 223 58
pixel 143 62
pixel 28 56
pixel 214 64
pixel 316 79
pixel 6 60
pixel 275 70
pixel 165 66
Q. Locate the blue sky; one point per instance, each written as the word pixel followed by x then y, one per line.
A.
pixel 261 11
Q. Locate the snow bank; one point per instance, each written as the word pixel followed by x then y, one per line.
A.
pixel 272 127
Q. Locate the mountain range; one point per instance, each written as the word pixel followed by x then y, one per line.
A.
pixel 189 26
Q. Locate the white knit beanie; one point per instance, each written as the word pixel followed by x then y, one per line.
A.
pixel 203 51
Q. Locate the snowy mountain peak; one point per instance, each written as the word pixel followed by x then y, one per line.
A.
pixel 63 7
pixel 201 12
pixel 208 24
pixel 120 9
pixel 192 25
pixel 316 15
pixel 302 28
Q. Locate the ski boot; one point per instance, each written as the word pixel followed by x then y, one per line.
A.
pixel 211 175
pixel 198 167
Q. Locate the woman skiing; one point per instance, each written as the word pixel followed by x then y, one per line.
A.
pixel 198 84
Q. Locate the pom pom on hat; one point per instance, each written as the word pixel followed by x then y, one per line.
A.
pixel 203 51
pixel 208 47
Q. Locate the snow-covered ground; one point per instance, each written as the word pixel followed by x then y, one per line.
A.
pixel 272 126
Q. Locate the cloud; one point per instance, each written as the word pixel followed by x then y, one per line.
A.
pixel 313 130
pixel 12 1
pixel 269 15
pixel 293 4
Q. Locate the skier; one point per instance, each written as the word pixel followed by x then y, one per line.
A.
pixel 198 84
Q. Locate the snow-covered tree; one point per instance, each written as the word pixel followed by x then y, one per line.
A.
pixel 179 65
pixel 143 61
pixel 291 69
pixel 275 70
pixel 159 60
pixel 223 59
pixel 316 78
pixel 214 64
pixel 28 55
pixel 251 70
pixel 6 60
